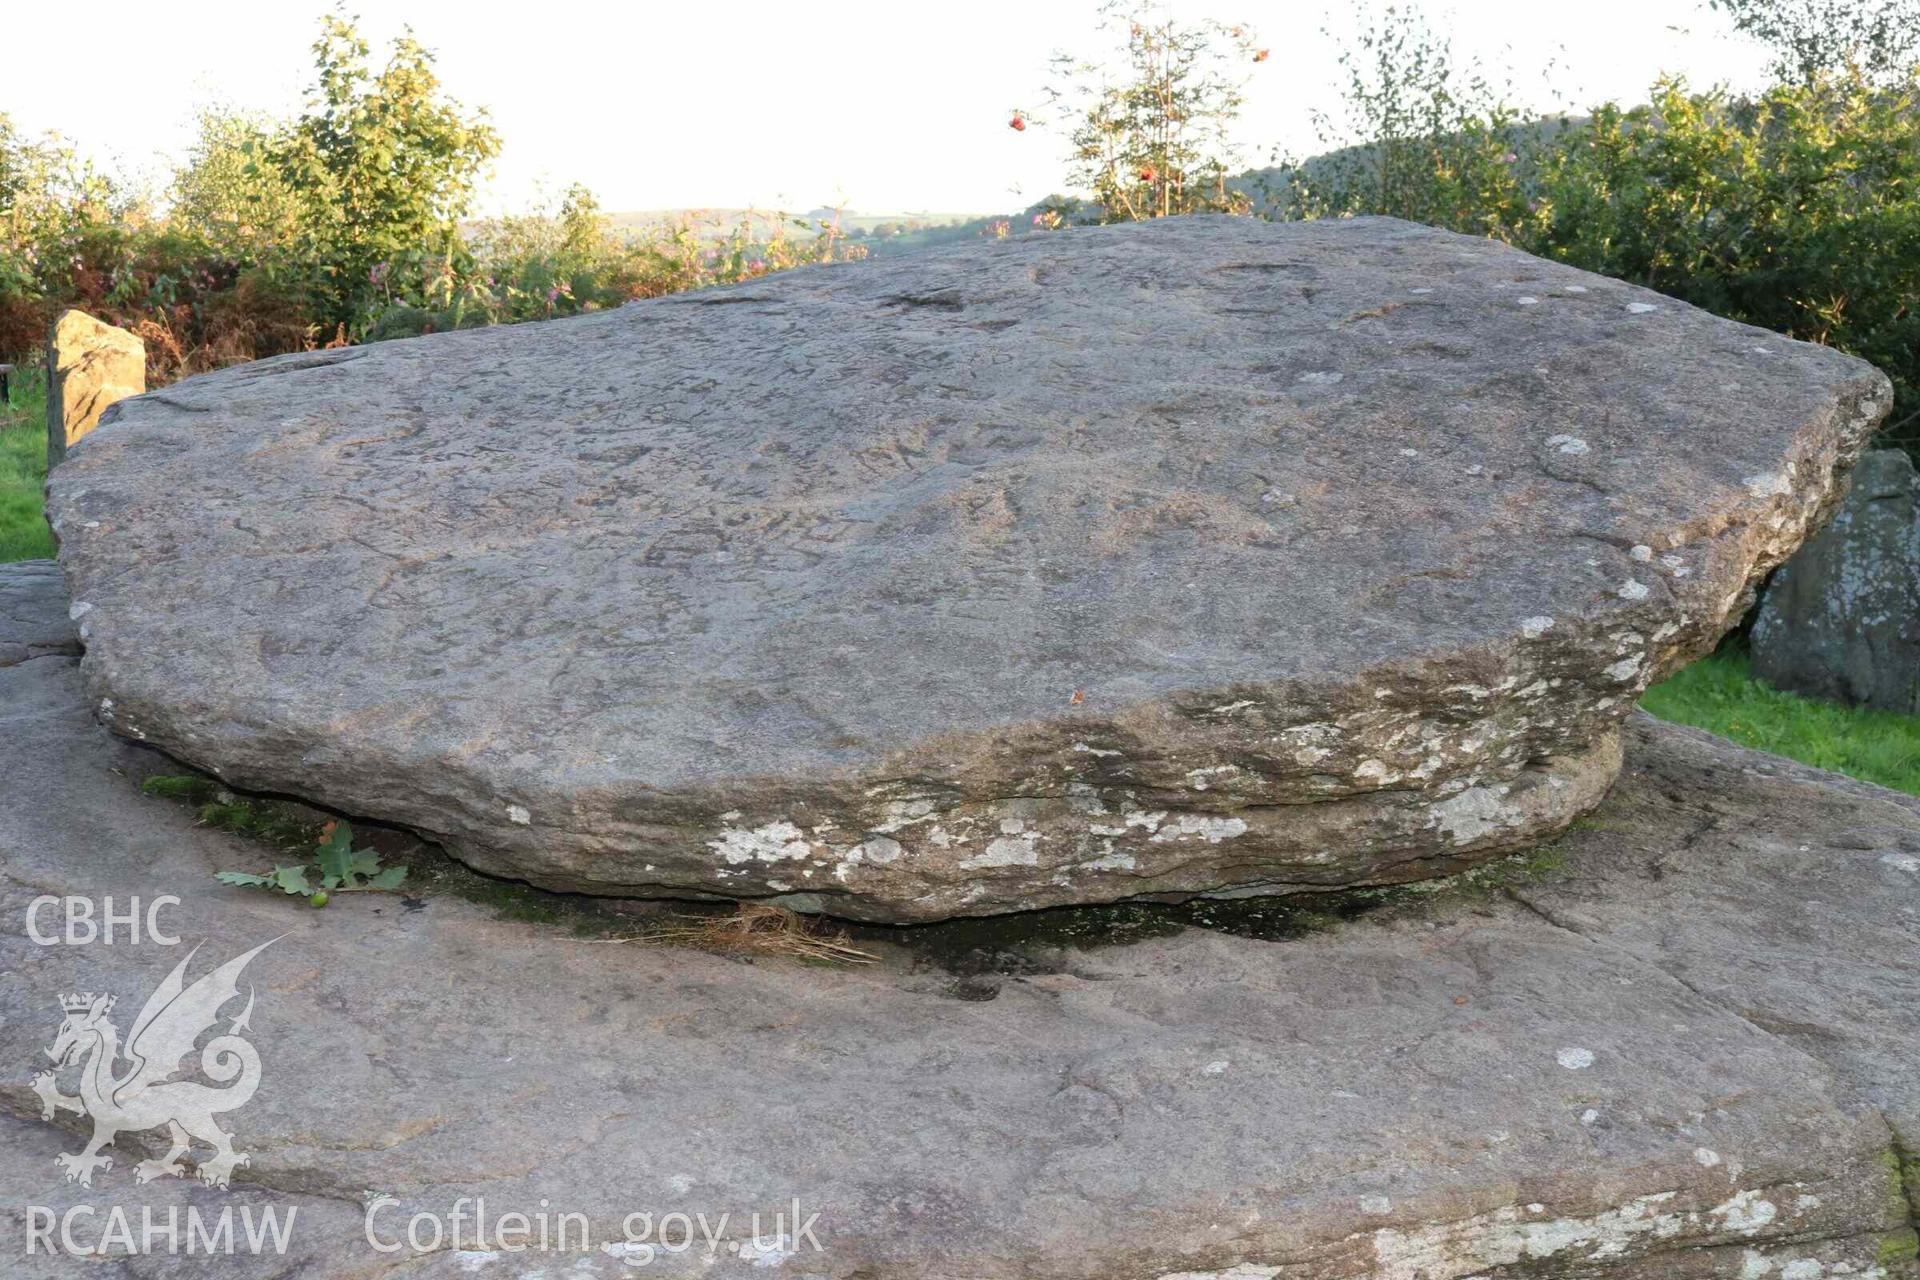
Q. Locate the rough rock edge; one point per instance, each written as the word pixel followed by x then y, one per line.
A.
pixel 793 852
pixel 830 843
pixel 26 629
pixel 1801 632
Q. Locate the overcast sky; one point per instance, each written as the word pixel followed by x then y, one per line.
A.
pixel 886 106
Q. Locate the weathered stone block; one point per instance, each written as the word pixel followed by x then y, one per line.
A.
pixel 1841 619
pixel 91 365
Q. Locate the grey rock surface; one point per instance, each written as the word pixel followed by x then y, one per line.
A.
pixel 29 628
pixel 1688 1052
pixel 91 366
pixel 1209 556
pixel 1841 619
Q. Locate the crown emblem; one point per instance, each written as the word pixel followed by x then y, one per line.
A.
pixel 81 1001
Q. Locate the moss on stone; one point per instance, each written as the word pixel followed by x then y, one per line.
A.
pixel 1900 1246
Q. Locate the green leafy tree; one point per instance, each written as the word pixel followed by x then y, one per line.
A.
pixel 1436 141
pixel 1815 37
pixel 241 210
pixel 381 167
pixel 52 204
pixel 64 227
pixel 1150 127
pixel 345 224
pixel 1798 210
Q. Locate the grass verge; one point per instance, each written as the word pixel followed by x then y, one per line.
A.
pixel 1720 695
pixel 23 472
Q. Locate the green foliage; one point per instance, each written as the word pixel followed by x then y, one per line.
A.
pixel 334 866
pixel 49 200
pixel 342 225
pixel 55 211
pixel 291 880
pixel 344 867
pixel 285 827
pixel 571 260
pixel 379 170
pixel 1815 37
pixel 71 238
pixel 264 822
pixel 1150 128
pixel 1439 143
pixel 189 788
pixel 338 867
pixel 1719 694
pixel 1798 211
pixel 239 209
pixel 24 534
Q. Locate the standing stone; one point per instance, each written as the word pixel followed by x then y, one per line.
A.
pixel 90 365
pixel 1841 619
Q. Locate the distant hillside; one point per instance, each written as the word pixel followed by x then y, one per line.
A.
pixel 881 233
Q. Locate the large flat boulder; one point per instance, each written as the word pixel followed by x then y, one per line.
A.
pixel 1841 619
pixel 1210 556
pixel 1687 1053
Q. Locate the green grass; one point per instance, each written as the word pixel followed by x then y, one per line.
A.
pixel 1719 694
pixel 23 470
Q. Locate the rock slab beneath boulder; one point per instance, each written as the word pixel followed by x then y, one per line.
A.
pixel 29 628
pixel 1686 1052
pixel 1841 619
pixel 91 366
pixel 1206 556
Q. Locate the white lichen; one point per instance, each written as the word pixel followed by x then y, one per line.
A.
pixel 876 850
pixel 1006 851
pixel 1475 812
pixel 1374 771
pixel 1626 670
pixel 775 842
pixel 1190 826
pixel 905 813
